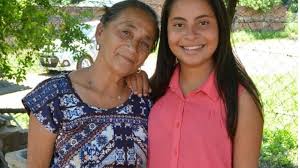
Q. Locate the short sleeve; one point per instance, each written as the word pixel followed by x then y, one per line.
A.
pixel 43 103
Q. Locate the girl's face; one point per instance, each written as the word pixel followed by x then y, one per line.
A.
pixel 126 41
pixel 193 32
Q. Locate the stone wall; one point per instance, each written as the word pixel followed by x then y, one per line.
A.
pixel 155 4
pixel 96 12
pixel 246 18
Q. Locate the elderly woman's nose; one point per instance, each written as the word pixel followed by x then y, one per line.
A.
pixel 132 46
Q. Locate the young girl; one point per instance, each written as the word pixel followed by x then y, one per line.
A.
pixel 207 111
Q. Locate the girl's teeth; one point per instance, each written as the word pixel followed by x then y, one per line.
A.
pixel 193 47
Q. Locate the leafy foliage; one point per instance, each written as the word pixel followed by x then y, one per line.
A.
pixel 65 2
pixel 262 5
pixel 265 5
pixel 27 26
pixel 279 149
pixel 68 2
pixel 291 4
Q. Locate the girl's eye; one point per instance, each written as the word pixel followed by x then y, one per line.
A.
pixel 203 23
pixel 178 25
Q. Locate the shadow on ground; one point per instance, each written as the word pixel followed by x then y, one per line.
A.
pixel 7 87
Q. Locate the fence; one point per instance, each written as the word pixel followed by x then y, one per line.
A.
pixel 273 66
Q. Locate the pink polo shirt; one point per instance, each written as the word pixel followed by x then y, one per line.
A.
pixel 190 131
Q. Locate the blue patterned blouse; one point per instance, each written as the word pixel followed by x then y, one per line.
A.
pixel 88 136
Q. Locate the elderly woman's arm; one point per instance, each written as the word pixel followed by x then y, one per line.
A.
pixel 40 144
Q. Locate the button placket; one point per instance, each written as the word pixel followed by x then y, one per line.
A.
pixel 178 124
pixel 177 134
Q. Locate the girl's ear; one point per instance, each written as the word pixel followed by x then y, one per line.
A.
pixel 99 31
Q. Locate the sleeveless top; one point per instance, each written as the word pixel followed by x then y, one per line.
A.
pixel 189 131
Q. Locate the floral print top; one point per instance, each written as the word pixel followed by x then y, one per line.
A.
pixel 89 136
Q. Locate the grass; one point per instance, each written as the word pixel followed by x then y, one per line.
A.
pixel 22 119
pixel 290 32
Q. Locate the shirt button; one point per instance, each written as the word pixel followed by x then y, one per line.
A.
pixel 177 124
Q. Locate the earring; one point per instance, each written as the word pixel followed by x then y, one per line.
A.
pixel 139 70
pixel 98 47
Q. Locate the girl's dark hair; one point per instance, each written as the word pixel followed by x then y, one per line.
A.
pixel 111 13
pixel 229 71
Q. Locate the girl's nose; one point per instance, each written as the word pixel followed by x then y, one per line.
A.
pixel 191 34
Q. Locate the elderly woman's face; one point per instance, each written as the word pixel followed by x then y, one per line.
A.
pixel 126 41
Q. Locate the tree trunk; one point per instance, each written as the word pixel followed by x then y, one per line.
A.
pixel 231 6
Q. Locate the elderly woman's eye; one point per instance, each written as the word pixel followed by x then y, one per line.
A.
pixel 145 46
pixel 125 33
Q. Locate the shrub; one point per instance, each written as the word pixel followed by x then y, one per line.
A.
pixel 262 5
pixel 279 149
pixel 291 4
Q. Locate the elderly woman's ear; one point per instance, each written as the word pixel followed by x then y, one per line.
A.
pixel 99 31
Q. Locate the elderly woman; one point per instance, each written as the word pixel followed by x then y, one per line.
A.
pixel 89 117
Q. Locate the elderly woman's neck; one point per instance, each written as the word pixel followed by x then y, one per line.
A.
pixel 104 78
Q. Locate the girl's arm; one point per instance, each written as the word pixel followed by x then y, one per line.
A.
pixel 40 144
pixel 248 138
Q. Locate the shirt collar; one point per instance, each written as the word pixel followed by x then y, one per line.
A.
pixel 174 82
pixel 209 87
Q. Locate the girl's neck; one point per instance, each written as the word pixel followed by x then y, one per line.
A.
pixel 190 78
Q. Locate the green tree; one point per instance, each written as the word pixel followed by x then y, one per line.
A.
pixel 262 5
pixel 27 27
pixel 65 2
pixel 292 5
pixel 68 2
